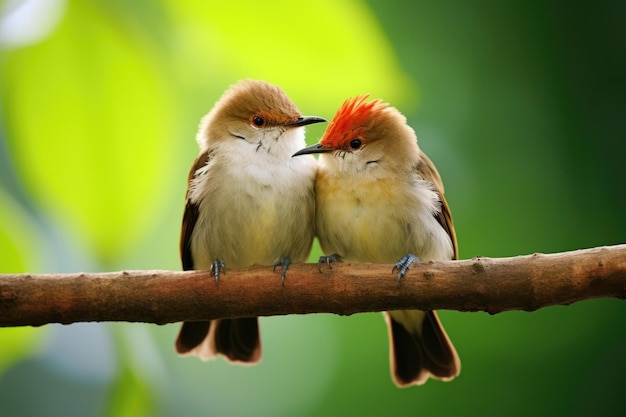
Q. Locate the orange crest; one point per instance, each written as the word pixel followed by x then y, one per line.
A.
pixel 350 119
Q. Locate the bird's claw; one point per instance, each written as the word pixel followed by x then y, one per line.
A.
pixel 216 268
pixel 403 265
pixel 284 264
pixel 327 260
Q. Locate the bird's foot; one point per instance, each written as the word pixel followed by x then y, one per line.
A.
pixel 327 260
pixel 284 263
pixel 403 265
pixel 218 267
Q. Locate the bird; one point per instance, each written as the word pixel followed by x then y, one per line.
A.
pixel 247 203
pixel 379 199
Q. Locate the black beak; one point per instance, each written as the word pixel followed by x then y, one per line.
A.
pixel 306 120
pixel 317 148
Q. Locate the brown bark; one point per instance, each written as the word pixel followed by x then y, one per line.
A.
pixel 479 284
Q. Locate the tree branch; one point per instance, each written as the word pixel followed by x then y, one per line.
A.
pixel 480 284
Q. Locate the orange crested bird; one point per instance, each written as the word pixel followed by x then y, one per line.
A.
pixel 379 199
pixel 248 203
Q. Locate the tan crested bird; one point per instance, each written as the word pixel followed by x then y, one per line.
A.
pixel 379 199
pixel 248 203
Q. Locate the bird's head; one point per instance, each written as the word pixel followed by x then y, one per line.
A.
pixel 258 113
pixel 363 134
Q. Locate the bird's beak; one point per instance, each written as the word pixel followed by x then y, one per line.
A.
pixel 317 148
pixel 306 120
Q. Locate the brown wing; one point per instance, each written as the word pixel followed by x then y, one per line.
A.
pixel 236 339
pixel 416 356
pixel 427 171
pixel 190 216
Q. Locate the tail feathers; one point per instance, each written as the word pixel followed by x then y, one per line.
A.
pixel 237 339
pixel 420 348
pixel 191 335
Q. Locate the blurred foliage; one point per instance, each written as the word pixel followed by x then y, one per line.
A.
pixel 77 131
pixel 520 104
pixel 17 343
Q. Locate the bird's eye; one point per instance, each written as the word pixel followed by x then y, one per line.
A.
pixel 258 121
pixel 355 143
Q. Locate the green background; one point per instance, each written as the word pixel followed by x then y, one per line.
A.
pixel 521 104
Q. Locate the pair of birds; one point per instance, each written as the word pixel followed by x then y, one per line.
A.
pixel 256 196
